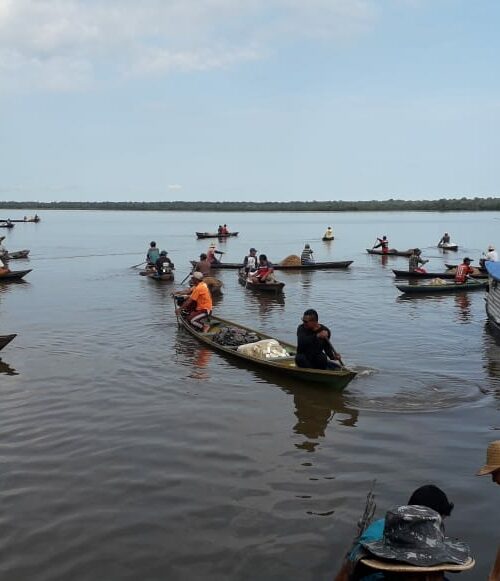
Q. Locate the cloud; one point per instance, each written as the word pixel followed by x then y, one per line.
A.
pixel 62 44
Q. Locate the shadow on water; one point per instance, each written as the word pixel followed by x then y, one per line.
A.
pixel 7 369
pixel 491 342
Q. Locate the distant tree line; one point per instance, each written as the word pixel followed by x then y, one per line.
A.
pixel 391 205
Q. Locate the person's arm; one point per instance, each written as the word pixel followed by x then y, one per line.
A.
pixel 379 243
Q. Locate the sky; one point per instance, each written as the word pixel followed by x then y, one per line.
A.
pixel 249 100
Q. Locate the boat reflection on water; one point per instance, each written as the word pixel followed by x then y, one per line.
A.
pixel 6 369
pixel 463 303
pixel 265 304
pixel 491 342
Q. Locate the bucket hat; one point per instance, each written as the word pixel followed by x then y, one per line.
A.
pixel 414 535
pixel 492 459
pixel 198 275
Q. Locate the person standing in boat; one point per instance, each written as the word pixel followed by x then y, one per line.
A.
pixel 152 254
pixel 264 272
pixel 314 349
pixel 250 262
pixel 463 271
pixel 203 265
pixel 198 304
pixel 212 251
pixel 383 244
pixel 445 239
pixel 163 264
pixel 307 255
pixel 415 261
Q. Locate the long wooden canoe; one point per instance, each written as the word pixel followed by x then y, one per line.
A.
pixel 14 275
pixel 315 266
pixel 391 252
pixel 153 275
pixel 266 287
pixel 6 339
pixel 448 246
pixel 6 225
pixel 337 379
pixel 447 275
pixel 441 288
pixel 326 239
pixel 22 221
pixel 476 268
pixel 16 255
pixel 200 235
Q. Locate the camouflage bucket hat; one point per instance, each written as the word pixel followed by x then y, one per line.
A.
pixel 414 535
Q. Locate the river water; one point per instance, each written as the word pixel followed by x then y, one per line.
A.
pixel 131 452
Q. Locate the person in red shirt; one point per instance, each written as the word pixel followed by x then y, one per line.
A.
pixel 463 271
pixel 383 243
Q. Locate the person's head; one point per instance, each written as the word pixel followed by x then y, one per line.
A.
pixel 212 245
pixel 152 244
pixel 310 317
pixel 384 237
pixel 163 253
pixel 253 251
pixel 467 260
pixel 446 234
pixel 492 465
pixel 197 277
pixel 433 497
pixel 203 256
pixel 491 247
pixel 262 258
pixel 417 251
pixel 225 225
pixel 307 247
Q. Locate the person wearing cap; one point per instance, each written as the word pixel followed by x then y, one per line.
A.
pixel 307 255
pixel 203 265
pixel 383 244
pixel 152 254
pixel 199 303
pixel 211 252
pixel 463 271
pixel 163 264
pixel 416 260
pixel 491 255
pixel 492 467
pixel 250 262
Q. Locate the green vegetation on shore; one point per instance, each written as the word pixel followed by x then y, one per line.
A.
pixel 442 205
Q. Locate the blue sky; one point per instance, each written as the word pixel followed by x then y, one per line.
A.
pixel 248 99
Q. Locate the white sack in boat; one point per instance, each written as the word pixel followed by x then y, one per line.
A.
pixel 265 349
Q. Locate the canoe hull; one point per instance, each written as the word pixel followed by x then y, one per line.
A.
pixel 201 235
pixel 441 288
pixel 335 379
pixel 5 340
pixel 391 252
pixel 16 255
pixel 151 273
pixel 450 275
pixel 315 266
pixel 451 247
pixel 271 287
pixel 326 239
pixel 14 275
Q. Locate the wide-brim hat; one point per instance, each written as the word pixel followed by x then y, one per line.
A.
pixel 414 535
pixel 402 568
pixel 198 275
pixel 492 459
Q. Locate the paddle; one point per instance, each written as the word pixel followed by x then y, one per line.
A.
pixel 140 263
pixel 188 275
pixel 335 351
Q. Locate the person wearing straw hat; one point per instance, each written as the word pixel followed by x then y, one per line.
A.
pixel 413 548
pixel 492 467
pixel 211 252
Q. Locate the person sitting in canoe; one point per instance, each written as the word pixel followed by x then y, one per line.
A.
pixel 3 269
pixel 491 255
pixel 203 265
pixel 198 306
pixel 264 272
pixel 307 255
pixel 415 261
pixel 463 271
pixel 314 349
pixel 152 254
pixel 163 265
pixel 445 239
pixel 224 231
pixel 211 252
pixel 219 230
pixel 383 244
pixel 250 262
pixel 328 235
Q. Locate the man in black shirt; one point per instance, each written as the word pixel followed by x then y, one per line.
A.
pixel 314 349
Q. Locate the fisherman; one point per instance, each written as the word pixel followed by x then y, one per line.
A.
pixel 224 231
pixel 3 269
pixel 163 265
pixel 492 467
pixel 328 235
pixel 219 230
pixel 383 243
pixel 198 305
pixel 203 265
pixel 463 271
pixel 212 251
pixel 314 349
pixel 491 255
pixel 264 272
pixel 152 254
pixel 307 255
pixel 415 261
pixel 250 262
pixel 3 250
pixel 445 239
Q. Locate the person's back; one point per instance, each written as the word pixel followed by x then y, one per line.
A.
pixel 463 271
pixel 203 265
pixel 201 295
pixel 3 269
pixel 250 262
pixel 307 255
pixel 152 254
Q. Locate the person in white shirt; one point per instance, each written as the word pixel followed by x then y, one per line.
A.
pixel 491 255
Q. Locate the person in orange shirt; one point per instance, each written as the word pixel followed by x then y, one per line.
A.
pixel 463 271
pixel 198 304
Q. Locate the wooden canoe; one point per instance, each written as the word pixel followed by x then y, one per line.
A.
pixel 267 287
pixel 448 246
pixel 23 221
pixel 16 255
pixel 6 225
pixel 337 379
pixel 6 339
pixel 14 275
pixel 447 275
pixel 152 274
pixel 391 252
pixel 476 268
pixel 326 239
pixel 441 288
pixel 315 266
pixel 201 235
